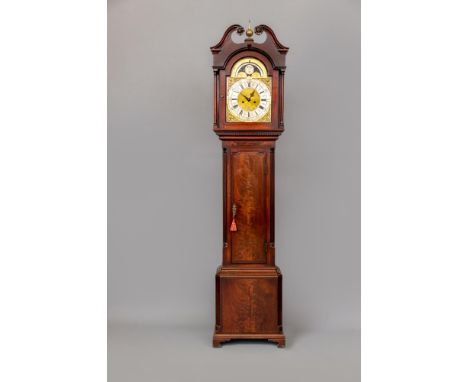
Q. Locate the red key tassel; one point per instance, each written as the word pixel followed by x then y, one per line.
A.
pixel 233 225
pixel 234 212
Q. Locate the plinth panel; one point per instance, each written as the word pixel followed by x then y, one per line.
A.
pixel 249 305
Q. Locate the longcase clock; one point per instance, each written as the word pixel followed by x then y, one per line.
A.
pixel 248 118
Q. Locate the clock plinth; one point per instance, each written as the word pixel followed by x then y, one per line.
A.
pixel 248 118
pixel 248 305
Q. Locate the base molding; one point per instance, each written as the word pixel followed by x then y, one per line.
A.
pixel 278 338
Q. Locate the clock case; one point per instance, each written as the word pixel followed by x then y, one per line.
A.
pixel 248 283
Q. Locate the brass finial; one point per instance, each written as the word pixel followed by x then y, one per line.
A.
pixel 249 32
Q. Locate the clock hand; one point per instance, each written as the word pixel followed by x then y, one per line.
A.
pixel 248 99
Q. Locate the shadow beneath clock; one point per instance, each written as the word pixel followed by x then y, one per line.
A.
pixel 248 343
pixel 294 332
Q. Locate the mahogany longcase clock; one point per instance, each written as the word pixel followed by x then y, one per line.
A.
pixel 248 118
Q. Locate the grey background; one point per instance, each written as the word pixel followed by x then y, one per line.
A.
pixel 164 176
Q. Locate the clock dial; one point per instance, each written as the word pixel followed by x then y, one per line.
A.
pixel 249 100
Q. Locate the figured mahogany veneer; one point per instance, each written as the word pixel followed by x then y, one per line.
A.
pixel 248 283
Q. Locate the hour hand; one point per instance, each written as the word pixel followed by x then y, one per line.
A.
pixel 247 98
